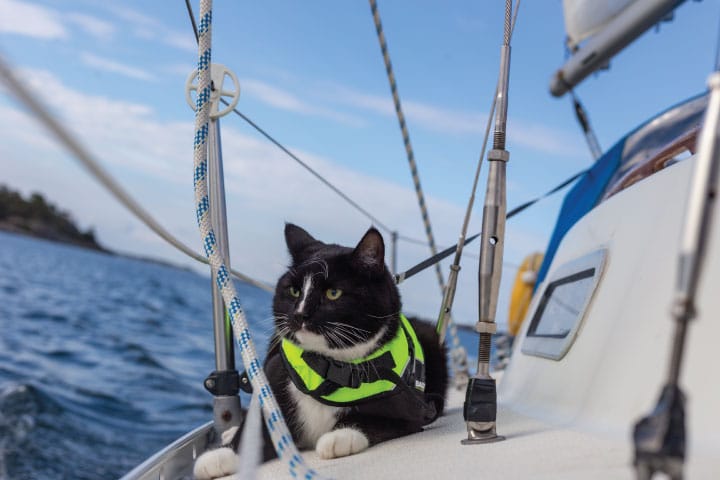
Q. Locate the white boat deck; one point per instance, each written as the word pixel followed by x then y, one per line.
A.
pixel 532 449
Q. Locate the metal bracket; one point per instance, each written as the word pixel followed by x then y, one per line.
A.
pixel 223 383
pixel 480 412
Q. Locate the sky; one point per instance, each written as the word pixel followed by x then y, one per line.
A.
pixel 312 75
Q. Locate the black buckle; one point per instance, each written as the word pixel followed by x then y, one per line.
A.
pixel 343 374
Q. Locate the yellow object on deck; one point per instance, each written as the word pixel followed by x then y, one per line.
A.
pixel 522 291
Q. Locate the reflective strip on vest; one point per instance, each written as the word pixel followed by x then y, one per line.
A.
pixel 398 348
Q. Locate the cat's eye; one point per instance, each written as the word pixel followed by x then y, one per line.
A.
pixel 333 293
pixel 294 292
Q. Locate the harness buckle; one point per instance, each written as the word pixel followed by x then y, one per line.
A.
pixel 343 374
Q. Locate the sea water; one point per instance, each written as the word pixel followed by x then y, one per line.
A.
pixel 102 358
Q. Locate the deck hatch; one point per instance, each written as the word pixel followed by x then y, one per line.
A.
pixel 562 307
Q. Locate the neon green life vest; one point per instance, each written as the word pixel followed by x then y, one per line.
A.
pixel 394 367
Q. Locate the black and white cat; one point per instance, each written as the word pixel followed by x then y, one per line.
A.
pixel 337 309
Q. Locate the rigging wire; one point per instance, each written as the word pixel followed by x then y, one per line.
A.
pixel 86 159
pixel 406 139
pixel 584 121
pixel 315 173
pixel 459 365
pixel 401 277
pixel 275 142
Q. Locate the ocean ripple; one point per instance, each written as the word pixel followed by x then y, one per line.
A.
pixel 102 359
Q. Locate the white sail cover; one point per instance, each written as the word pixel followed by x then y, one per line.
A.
pixel 583 18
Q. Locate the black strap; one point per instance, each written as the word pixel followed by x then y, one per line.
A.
pixel 401 277
pixel 343 374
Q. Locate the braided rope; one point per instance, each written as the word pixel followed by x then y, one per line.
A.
pixel 282 440
pixel 457 369
pixel 406 139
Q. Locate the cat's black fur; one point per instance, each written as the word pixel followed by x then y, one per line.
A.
pixel 370 302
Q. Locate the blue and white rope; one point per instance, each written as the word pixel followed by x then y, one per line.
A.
pixel 275 422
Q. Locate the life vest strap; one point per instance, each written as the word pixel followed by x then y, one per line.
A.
pixel 345 374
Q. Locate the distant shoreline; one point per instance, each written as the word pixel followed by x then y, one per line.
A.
pixel 37 229
pixel 37 218
pixel 11 228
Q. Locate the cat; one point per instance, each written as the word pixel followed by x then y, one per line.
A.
pixel 333 307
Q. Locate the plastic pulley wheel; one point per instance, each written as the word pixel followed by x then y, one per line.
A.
pixel 218 72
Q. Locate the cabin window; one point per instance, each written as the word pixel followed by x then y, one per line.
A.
pixel 562 307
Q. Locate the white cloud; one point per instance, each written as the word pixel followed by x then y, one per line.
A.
pixel 28 19
pixel 285 100
pixel 181 40
pixel 428 116
pixel 457 122
pixel 149 28
pixel 112 66
pixel 94 26
pixel 132 16
pixel 419 115
pixel 182 69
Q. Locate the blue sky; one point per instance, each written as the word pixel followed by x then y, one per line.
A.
pixel 311 74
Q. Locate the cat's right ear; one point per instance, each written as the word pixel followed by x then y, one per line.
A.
pixel 297 240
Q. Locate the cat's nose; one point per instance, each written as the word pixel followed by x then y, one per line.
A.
pixel 300 316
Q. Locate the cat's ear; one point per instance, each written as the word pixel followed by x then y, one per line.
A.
pixel 370 252
pixel 297 240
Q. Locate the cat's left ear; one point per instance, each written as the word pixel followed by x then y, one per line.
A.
pixel 370 252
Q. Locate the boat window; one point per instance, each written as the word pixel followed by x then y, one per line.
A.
pixel 662 131
pixel 562 306
pixel 679 149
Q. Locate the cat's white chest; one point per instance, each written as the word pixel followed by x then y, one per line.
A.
pixel 314 418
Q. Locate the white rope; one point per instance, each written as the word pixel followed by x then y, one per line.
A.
pixel 282 440
pixel 251 440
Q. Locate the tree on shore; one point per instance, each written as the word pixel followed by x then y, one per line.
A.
pixel 21 213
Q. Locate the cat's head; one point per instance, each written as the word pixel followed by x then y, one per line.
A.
pixel 338 301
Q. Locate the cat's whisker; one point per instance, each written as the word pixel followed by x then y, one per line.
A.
pixel 348 326
pixel 357 337
pixel 371 365
pixel 277 337
pixel 342 339
pixel 346 339
pixel 350 337
pixel 381 317
pixel 333 338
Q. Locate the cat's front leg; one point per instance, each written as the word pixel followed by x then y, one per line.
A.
pixel 356 433
pixel 341 443
pixel 218 464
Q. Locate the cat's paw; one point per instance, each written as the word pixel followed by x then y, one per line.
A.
pixel 216 464
pixel 341 443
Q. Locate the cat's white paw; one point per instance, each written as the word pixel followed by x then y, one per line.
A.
pixel 216 464
pixel 340 443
